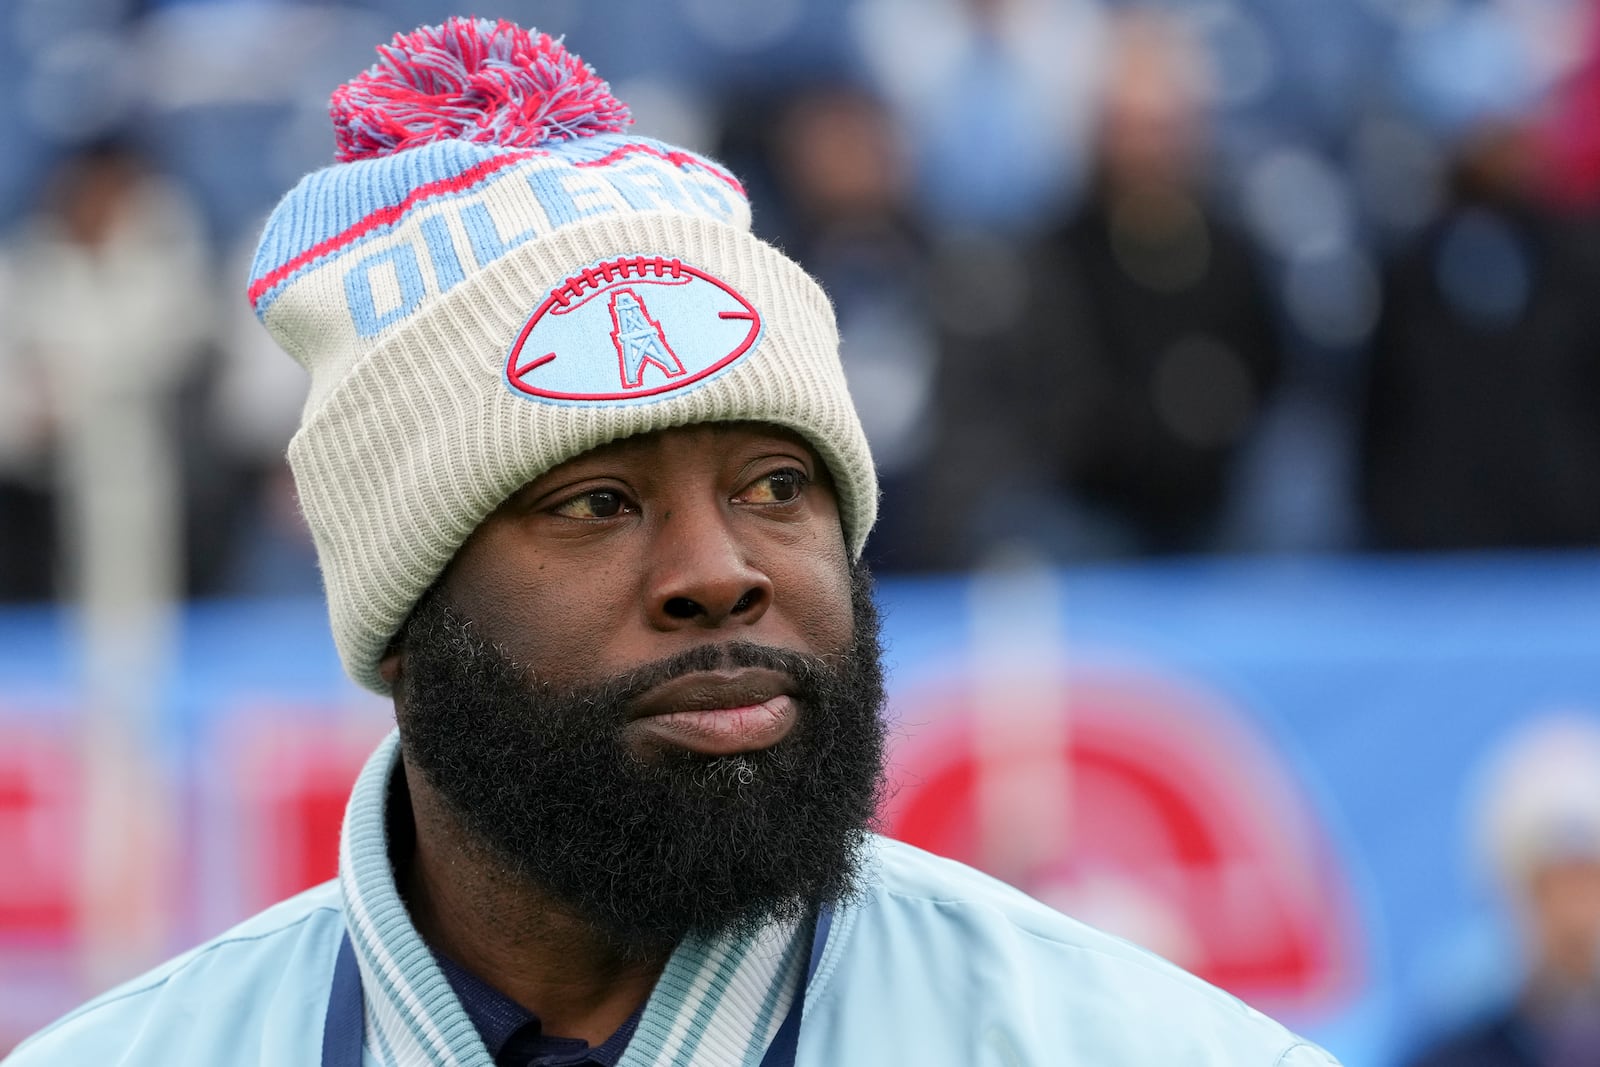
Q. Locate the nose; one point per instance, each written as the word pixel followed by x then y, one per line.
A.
pixel 701 575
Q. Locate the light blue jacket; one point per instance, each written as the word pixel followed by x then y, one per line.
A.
pixel 934 964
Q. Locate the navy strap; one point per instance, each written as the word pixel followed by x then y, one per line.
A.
pixel 819 940
pixel 342 1029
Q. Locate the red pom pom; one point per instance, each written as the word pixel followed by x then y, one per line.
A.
pixel 472 80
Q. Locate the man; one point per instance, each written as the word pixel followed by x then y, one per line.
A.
pixel 587 487
pixel 1539 821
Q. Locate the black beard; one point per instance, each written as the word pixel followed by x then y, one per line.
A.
pixel 648 851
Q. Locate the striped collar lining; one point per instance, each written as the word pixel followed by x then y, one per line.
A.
pixel 718 1003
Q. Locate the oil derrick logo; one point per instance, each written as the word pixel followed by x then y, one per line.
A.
pixel 559 356
pixel 639 340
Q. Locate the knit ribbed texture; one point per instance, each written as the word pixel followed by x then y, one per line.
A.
pixel 402 284
pixel 718 1003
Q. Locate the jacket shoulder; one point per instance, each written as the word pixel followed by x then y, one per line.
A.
pixel 905 876
pixel 256 993
pixel 1035 980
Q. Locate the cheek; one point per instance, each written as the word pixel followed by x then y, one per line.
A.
pixel 1573 896
pixel 813 589
pixel 556 617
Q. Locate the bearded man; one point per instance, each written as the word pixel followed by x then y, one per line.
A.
pixel 589 496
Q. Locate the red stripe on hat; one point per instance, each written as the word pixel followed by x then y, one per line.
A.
pixel 385 216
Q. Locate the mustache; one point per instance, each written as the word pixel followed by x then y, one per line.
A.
pixel 619 690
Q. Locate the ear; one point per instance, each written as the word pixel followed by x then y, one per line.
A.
pixel 392 666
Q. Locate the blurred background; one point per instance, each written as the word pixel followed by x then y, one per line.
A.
pixel 1233 370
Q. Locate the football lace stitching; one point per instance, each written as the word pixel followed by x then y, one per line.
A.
pixel 608 272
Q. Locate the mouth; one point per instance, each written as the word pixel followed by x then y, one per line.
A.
pixel 717 713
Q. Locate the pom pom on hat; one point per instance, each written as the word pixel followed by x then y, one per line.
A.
pixel 472 80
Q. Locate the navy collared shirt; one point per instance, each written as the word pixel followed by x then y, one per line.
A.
pixel 513 1034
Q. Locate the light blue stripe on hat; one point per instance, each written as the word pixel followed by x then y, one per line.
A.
pixel 328 202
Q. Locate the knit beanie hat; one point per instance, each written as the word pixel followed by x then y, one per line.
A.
pixel 494 279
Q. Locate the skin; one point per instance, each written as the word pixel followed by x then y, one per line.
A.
pixel 625 555
pixel 1564 905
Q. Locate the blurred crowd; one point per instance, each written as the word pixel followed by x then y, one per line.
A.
pixel 1113 279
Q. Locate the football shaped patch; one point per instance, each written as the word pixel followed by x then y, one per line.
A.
pixel 631 328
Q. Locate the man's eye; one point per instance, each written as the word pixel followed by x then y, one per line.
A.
pixel 779 487
pixel 595 504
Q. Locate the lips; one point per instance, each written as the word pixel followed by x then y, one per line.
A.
pixel 718 713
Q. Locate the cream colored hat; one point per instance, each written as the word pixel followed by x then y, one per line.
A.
pixel 494 279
